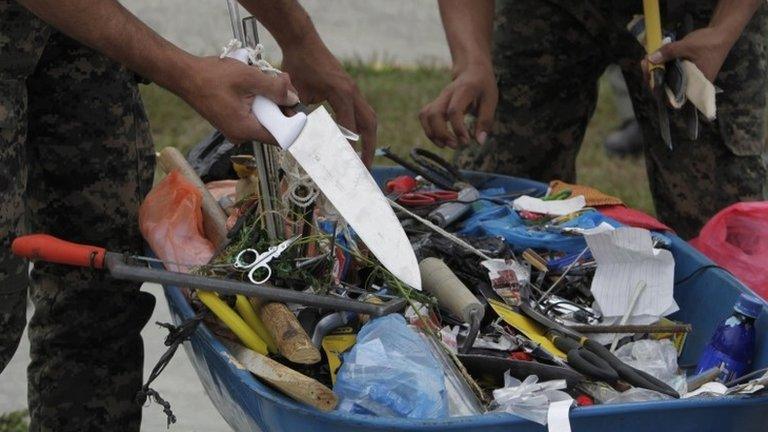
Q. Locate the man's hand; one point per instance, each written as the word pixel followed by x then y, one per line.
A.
pixel 472 91
pixel 222 91
pixel 319 77
pixel 468 28
pixel 708 47
pixel 316 73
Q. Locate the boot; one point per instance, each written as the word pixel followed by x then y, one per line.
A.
pixel 627 140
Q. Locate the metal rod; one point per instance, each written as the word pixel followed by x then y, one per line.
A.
pixel 234 19
pixel 593 329
pixel 264 190
pixel 251 29
pixel 562 276
pixel 246 31
pixel 120 270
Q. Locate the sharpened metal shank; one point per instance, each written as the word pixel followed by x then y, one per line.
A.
pixel 120 270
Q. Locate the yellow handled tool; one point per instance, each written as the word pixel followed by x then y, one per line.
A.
pixel 653 38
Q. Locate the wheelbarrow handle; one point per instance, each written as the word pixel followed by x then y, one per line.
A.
pixel 44 247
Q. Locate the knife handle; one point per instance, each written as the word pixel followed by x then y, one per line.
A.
pixel 285 129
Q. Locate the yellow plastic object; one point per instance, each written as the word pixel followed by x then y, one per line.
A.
pixel 526 326
pixel 652 30
pixel 246 311
pixel 678 339
pixel 652 25
pixel 334 345
pixel 232 320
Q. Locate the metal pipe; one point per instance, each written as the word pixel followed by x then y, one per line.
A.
pixel 594 329
pixel 234 19
pixel 120 270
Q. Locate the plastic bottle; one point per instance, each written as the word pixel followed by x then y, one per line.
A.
pixel 733 344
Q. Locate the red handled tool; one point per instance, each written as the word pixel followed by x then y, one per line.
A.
pixel 43 247
pixel 427 198
pixel 402 184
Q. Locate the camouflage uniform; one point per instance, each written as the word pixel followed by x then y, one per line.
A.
pixel 549 55
pixel 76 157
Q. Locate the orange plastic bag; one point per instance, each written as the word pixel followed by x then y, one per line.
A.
pixel 171 221
pixel 737 238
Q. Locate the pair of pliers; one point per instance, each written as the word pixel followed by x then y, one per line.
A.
pixel 582 359
pixel 579 344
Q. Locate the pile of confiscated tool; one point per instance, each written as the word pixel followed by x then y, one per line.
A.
pixel 525 304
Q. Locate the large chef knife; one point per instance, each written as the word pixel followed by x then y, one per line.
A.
pixel 316 142
pixel 318 145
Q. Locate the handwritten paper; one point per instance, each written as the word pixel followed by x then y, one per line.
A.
pixel 552 208
pixel 625 257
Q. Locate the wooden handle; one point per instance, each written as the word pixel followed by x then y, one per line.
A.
pixel 214 218
pixel 293 384
pixel 43 247
pixel 292 341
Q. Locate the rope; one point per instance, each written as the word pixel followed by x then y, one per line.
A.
pixel 176 336
pixel 301 190
pixel 253 56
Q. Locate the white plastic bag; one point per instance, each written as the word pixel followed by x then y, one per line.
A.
pixel 530 399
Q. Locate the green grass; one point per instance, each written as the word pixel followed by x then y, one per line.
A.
pixel 14 422
pixel 397 95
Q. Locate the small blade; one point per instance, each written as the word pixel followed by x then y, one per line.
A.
pixel 691 121
pixel 336 169
pixel 661 105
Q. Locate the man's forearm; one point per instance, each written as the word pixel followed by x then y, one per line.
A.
pixel 732 16
pixel 469 30
pixel 106 26
pixel 285 20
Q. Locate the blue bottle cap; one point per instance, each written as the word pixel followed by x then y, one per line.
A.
pixel 748 305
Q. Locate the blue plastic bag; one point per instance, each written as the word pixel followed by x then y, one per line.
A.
pixel 390 372
pixel 496 220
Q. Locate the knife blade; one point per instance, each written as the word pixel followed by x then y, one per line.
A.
pixel 661 106
pixel 318 145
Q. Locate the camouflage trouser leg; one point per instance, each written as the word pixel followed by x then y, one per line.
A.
pixel 90 161
pixel 728 162
pixel 21 43
pixel 549 55
pixel 13 278
pixel 547 66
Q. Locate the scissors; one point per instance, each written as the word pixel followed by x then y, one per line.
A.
pixel 260 260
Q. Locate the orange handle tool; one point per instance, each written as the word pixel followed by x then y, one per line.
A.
pixel 43 247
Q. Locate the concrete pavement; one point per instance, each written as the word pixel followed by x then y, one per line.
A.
pixel 406 32
pixel 178 384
